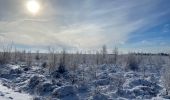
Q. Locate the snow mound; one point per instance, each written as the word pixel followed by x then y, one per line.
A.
pixel 100 96
pixel 65 93
pixel 83 88
pixel 44 88
pixel 33 83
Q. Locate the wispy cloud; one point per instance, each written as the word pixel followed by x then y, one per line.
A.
pixel 83 24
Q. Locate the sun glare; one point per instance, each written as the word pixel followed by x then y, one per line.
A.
pixel 33 6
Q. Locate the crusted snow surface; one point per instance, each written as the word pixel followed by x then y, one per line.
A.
pixel 92 82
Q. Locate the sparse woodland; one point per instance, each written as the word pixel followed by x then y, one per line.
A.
pixel 60 74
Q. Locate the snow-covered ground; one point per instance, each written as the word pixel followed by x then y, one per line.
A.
pixel 9 94
pixel 87 82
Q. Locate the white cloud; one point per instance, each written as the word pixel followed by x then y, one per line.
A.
pixel 88 27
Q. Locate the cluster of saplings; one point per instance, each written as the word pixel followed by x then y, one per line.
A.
pixel 62 61
pixel 54 59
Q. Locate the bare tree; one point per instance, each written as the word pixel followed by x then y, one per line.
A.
pixel 141 62
pixel 15 56
pixel 22 56
pixel 84 58
pixel 5 54
pixel 115 54
pixel 104 54
pixel 62 63
pixel 52 60
pixel 29 59
pixel 97 58
pixel 37 56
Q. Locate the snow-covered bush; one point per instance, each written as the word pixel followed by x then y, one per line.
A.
pixel 52 60
pixel 22 55
pixel 62 63
pixel 132 62
pixel 16 71
pixel 166 79
pixel 33 82
pixel 44 64
pixel 118 81
pixel 137 82
pixel 65 93
pixel 37 56
pixel 44 88
pixel 57 62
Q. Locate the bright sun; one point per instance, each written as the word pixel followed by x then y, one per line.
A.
pixel 33 6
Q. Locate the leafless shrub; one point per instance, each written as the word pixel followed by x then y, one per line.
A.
pixel 115 55
pixel 98 56
pixel 93 71
pixel 104 54
pixel 56 61
pixel 156 62
pixel 37 56
pixel 52 60
pixel 22 56
pixel 5 54
pixel 159 62
pixel 166 78
pixel 44 64
pixel 62 63
pixel 29 59
pixel 15 56
pixel 132 62
pixel 84 58
pixel 75 61
pixel 142 62
pixel 118 81
pixel 150 60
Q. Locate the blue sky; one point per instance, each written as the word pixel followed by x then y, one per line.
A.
pixel 131 25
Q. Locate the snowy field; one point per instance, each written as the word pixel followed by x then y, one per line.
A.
pixel 84 49
pixel 140 80
pixel 9 94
